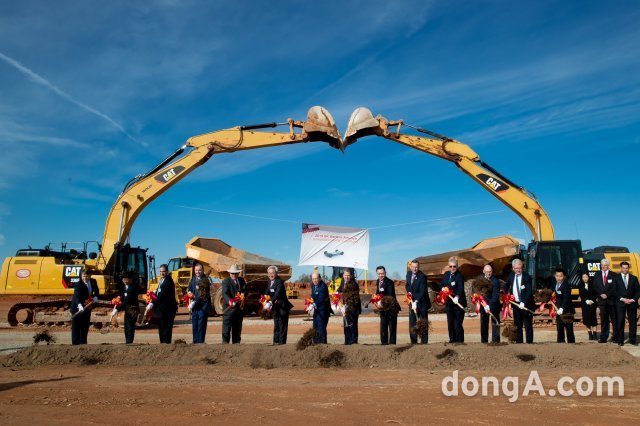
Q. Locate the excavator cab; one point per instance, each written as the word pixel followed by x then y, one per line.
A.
pixel 133 260
pixel 543 257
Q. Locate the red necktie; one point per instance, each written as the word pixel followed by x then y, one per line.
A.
pixel 604 279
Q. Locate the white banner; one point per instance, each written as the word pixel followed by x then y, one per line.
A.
pixel 334 246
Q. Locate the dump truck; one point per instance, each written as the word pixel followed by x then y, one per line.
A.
pixel 216 257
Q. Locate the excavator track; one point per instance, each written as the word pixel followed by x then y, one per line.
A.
pixel 53 312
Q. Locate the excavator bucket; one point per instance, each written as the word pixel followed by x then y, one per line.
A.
pixel 320 126
pixel 361 123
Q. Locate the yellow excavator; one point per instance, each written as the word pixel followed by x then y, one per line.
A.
pixel 544 254
pixel 37 284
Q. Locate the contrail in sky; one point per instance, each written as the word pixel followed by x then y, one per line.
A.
pixel 44 82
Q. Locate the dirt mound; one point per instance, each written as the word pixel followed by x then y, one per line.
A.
pixel 433 356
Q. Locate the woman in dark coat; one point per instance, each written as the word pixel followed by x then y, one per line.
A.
pixel 588 299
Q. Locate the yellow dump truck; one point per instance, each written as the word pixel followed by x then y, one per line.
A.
pixel 216 257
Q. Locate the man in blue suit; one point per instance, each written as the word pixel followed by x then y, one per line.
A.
pixel 454 280
pixel 520 285
pixel 416 284
pixel 84 292
pixel 320 295
pixel 200 286
pixel 388 319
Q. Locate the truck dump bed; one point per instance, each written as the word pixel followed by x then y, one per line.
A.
pixel 219 256
pixel 498 251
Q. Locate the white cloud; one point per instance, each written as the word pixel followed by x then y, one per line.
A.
pixel 36 78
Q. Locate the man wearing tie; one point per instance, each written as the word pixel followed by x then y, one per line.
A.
pixel 605 288
pixel 492 306
pixel 416 284
pixel 520 285
pixel 455 313
pixel 85 292
pixel 320 295
pixel 129 305
pixel 281 306
pixel 627 299
pixel 165 306
pixel 389 318
pixel 565 306
pixel 200 286
pixel 232 316
pixel 351 292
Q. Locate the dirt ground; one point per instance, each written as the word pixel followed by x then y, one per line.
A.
pixel 107 382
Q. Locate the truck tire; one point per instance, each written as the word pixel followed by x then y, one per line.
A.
pixel 217 301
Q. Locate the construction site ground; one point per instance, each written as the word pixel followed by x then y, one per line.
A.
pixel 107 382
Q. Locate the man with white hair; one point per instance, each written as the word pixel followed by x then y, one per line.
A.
pixel 520 285
pixel 281 306
pixel 604 286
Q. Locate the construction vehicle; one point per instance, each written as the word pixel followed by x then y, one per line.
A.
pixel 216 257
pixel 544 253
pixel 37 284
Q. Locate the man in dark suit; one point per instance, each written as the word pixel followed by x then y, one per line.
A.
pixel 565 306
pixel 320 295
pixel 520 285
pixel 492 306
pixel 353 307
pixel 165 306
pixel 232 315
pixel 455 314
pixel 281 306
pixel 627 300
pixel 85 292
pixel 388 319
pixel 129 298
pixel 416 284
pixel 200 307
pixel 604 286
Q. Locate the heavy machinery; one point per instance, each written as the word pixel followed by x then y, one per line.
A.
pixel 544 254
pixel 216 257
pixel 497 251
pixel 38 283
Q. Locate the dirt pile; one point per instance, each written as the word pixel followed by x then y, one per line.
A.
pixel 431 357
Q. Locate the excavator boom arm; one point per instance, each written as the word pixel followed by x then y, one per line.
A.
pixel 142 190
pixel 518 199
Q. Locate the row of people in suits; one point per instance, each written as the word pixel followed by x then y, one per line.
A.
pixel 233 313
pixel 616 295
pixel 86 292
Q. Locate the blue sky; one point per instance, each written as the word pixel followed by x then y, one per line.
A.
pixel 93 93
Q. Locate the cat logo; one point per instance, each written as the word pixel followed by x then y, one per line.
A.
pixel 167 175
pixel 493 183
pixel 71 276
pixel 593 266
pixel 73 271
